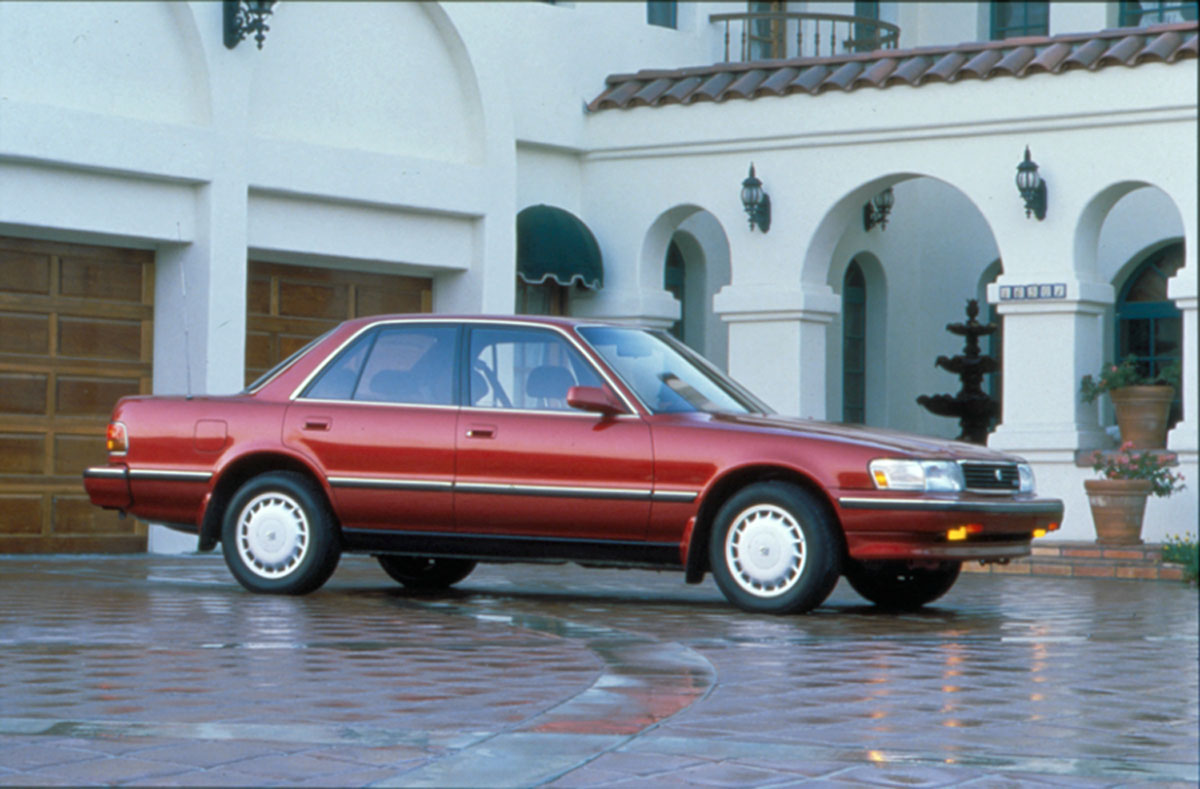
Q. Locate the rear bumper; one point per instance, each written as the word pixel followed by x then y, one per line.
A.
pixel 108 487
pixel 883 527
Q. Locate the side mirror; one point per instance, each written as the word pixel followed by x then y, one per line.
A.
pixel 596 399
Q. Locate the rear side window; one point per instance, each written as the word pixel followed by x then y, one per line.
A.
pixel 395 364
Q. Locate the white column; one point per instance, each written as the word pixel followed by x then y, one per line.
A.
pixel 1049 345
pixel 1186 435
pixel 777 343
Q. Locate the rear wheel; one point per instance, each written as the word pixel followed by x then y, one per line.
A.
pixel 901 586
pixel 774 549
pixel 278 535
pixel 419 572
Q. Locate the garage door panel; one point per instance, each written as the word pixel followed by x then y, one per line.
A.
pixel 24 272
pixel 21 514
pixel 23 393
pixel 376 302
pixel 75 396
pixel 24 333
pixel 101 279
pixel 258 297
pixel 96 338
pixel 72 454
pixel 22 453
pixel 298 300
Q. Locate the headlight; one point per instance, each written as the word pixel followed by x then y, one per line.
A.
pixel 942 476
pixel 1025 473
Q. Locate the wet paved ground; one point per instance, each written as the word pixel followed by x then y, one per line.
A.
pixel 162 671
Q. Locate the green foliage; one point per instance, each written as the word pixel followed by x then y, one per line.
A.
pixel 1183 549
pixel 1117 376
pixel 1148 464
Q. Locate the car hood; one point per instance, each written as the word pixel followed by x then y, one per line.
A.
pixel 886 441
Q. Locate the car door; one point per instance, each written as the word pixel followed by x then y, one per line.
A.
pixel 380 420
pixel 529 464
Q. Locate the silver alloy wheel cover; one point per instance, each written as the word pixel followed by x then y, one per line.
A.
pixel 765 550
pixel 273 535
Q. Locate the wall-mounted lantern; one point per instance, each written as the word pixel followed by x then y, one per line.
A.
pixel 877 210
pixel 1032 187
pixel 243 17
pixel 756 202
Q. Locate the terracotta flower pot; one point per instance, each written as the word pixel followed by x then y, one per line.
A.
pixel 1118 506
pixel 1142 413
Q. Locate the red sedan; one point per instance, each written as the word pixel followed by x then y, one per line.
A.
pixel 435 443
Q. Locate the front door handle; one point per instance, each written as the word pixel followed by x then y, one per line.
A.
pixel 481 431
pixel 317 423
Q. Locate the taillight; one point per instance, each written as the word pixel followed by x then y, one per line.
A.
pixel 117 438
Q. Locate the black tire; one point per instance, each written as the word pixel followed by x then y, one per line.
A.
pixel 278 535
pixel 795 540
pixel 896 586
pixel 419 572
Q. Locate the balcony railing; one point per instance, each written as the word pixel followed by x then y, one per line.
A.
pixel 771 35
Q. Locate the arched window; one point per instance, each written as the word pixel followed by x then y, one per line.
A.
pixel 854 345
pixel 1149 326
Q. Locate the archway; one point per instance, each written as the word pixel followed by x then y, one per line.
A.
pixel 918 274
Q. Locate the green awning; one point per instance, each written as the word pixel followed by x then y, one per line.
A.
pixel 553 244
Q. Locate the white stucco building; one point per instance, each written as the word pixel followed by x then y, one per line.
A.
pixel 176 214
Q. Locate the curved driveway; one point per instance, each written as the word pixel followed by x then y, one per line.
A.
pixel 162 671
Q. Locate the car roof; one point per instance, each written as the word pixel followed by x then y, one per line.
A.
pixel 546 320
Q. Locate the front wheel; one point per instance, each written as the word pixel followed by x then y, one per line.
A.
pixel 774 549
pixel 899 586
pixel 278 535
pixel 419 572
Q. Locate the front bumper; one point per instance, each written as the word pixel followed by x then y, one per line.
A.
pixel 918 528
pixel 108 487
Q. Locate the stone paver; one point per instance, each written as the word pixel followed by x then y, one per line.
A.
pixel 162 671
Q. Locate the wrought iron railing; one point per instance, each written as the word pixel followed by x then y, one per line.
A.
pixel 771 35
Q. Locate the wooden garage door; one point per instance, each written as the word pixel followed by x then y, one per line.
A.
pixel 75 335
pixel 289 305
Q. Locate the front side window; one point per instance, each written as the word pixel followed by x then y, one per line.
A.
pixel 1147 12
pixel 1017 19
pixel 396 364
pixel 665 374
pixel 524 369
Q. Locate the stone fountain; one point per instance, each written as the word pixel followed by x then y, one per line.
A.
pixel 974 407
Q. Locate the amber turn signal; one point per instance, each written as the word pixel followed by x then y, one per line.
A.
pixel 955 535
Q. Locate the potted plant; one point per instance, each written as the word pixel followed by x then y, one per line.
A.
pixel 1142 403
pixel 1118 497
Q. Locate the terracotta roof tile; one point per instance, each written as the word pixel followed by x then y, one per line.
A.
pixel 1021 57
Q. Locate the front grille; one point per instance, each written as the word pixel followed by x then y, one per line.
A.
pixel 991 477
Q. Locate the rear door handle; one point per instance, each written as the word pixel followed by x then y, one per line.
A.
pixel 481 431
pixel 317 423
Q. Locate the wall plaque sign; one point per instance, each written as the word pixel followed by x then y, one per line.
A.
pixel 1056 290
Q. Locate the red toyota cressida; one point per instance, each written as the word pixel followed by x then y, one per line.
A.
pixel 435 443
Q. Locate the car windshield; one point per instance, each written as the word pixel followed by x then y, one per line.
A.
pixel 666 375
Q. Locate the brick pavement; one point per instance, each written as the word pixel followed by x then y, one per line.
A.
pixel 162 671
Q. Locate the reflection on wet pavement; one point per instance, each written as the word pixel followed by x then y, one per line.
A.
pixel 161 670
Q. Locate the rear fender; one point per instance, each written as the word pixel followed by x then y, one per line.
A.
pixel 236 473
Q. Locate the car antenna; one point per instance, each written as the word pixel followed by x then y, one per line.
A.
pixel 187 342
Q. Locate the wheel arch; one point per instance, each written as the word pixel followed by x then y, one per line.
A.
pixel 729 484
pixel 236 473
